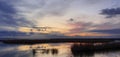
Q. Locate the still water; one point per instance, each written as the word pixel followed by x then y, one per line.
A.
pixel 48 50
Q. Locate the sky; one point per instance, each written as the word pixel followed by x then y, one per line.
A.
pixel 68 17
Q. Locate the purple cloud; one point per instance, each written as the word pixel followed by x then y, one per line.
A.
pixel 111 12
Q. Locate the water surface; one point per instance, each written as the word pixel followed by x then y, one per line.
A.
pixel 61 50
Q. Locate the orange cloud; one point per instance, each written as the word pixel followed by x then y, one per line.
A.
pixel 54 29
pixel 87 34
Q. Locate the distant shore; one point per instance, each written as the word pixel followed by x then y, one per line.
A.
pixel 59 40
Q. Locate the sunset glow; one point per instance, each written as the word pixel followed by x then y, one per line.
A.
pixel 66 17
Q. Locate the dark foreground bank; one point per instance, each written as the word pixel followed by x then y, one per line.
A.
pixel 97 48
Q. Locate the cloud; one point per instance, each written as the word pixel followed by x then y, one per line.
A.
pixel 35 9
pixel 83 28
pixel 6 13
pixel 34 12
pixel 107 26
pixel 9 16
pixel 111 12
pixel 78 26
pixel 110 31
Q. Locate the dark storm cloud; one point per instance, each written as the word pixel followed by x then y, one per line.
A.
pixel 111 12
pixel 111 31
pixel 9 16
pixel 6 13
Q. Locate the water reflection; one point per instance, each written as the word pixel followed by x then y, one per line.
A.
pixel 49 50
pixel 54 51
pixel 45 51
